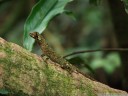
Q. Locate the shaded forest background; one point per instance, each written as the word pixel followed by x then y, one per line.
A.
pixel 91 26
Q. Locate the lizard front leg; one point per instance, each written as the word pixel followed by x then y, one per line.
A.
pixel 44 57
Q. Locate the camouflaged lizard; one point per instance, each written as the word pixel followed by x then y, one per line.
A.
pixel 49 52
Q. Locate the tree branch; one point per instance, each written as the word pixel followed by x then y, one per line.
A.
pixel 24 73
pixel 96 50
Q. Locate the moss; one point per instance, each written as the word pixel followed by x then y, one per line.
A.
pixel 14 70
pixel 8 50
pixel 89 90
pixel 58 84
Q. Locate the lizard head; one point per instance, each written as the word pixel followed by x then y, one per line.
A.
pixel 35 35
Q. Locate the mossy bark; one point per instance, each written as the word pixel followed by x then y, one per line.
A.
pixel 25 74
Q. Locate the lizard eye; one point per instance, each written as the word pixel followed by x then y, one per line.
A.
pixel 36 36
pixel 32 35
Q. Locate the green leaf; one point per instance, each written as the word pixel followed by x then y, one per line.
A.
pixel 4 91
pixel 126 5
pixel 39 18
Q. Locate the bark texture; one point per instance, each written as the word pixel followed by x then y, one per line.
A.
pixel 25 74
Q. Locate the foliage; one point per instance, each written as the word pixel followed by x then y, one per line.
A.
pixel 40 16
pixel 3 91
pixel 95 2
pixel 126 5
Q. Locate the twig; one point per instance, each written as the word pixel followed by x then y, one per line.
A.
pixel 105 49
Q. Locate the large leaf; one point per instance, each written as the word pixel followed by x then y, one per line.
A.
pixel 39 18
pixel 126 5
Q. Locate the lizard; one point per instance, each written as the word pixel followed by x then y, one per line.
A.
pixel 50 53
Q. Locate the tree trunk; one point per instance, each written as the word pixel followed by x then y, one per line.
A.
pixel 24 73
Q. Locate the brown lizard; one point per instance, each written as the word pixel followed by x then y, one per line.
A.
pixel 49 52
